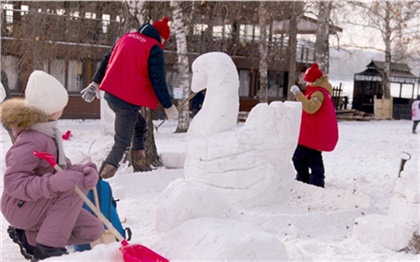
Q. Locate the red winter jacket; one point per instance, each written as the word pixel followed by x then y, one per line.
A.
pixel 127 73
pixel 319 131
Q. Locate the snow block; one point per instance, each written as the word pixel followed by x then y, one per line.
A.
pixel 408 185
pixel 243 165
pixel 183 200
pixel 401 208
pixel 172 160
pixel 385 230
pixel 219 240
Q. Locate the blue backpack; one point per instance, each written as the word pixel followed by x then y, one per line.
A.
pixel 108 207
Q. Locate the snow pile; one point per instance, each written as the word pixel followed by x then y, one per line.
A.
pixel 313 224
pixel 220 240
pixel 396 229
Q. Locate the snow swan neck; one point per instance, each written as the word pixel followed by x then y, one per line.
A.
pixel 217 73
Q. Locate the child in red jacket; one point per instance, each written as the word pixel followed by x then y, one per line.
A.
pixel 319 127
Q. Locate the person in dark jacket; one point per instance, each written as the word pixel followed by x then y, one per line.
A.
pixel 133 76
pixel 197 102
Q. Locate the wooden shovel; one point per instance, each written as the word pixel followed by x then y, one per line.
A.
pixel 186 100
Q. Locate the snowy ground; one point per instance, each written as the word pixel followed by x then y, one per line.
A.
pixel 313 224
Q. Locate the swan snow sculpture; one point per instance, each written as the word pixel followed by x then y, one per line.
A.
pixel 249 166
pixel 227 169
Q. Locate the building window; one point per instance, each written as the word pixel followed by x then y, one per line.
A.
pixel 172 81
pixel 275 84
pixel 57 69
pixel 244 82
pixel 75 76
pixel 106 21
pixel 9 66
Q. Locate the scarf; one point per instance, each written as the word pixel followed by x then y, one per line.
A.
pixel 50 129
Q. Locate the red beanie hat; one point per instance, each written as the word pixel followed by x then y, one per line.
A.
pixel 163 28
pixel 312 74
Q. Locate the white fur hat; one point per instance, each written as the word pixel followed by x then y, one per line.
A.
pixel 45 93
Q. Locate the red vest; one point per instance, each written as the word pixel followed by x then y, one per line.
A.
pixel 127 72
pixel 319 131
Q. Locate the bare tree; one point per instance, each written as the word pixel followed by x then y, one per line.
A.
pixel 322 47
pixel 38 31
pixel 391 19
pixel 293 30
pixel 183 64
pixel 131 15
pixel 263 51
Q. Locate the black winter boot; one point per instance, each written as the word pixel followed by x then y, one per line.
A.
pixel 43 252
pixel 18 236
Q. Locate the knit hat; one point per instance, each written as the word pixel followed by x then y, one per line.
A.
pixel 163 28
pixel 45 93
pixel 312 74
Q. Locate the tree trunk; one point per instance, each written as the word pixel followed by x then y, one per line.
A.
pixel 150 145
pixel 386 85
pixel 292 52
pixel 181 44
pixel 132 15
pixel 322 47
pixel 263 50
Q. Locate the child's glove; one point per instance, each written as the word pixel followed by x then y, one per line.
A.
pixel 90 92
pixel 91 176
pixel 65 180
pixel 294 89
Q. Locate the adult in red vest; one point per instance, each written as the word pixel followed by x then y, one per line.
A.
pixel 133 76
pixel 319 127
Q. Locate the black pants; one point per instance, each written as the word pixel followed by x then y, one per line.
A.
pixel 130 130
pixel 415 123
pixel 309 166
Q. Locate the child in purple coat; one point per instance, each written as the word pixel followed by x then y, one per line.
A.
pixel 45 212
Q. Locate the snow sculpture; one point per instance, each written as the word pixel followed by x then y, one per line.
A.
pixel 243 165
pixel 395 230
pixel 226 169
pixel 195 199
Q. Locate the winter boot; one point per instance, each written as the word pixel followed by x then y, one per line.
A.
pixel 107 170
pixel 18 236
pixel 138 160
pixel 43 252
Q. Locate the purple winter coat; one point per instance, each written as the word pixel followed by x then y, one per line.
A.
pixel 49 217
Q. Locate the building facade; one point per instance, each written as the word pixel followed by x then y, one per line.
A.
pixel 68 39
